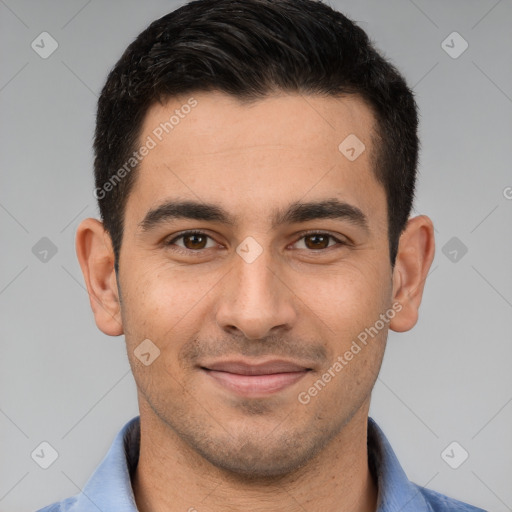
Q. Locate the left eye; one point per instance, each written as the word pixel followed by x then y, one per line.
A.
pixel 316 241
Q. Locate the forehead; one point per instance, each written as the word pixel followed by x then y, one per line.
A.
pixel 211 146
pixel 223 123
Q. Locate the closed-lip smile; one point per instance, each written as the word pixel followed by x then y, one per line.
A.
pixel 255 379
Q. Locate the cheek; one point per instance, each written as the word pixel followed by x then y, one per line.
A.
pixel 349 300
pixel 162 304
pixel 159 307
pixel 350 307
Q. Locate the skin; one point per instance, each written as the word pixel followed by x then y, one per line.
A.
pixel 204 446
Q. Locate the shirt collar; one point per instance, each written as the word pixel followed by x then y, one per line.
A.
pixel 109 488
pixel 396 492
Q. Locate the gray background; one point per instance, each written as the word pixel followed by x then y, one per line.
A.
pixel 449 379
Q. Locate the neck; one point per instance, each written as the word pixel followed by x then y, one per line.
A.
pixel 171 477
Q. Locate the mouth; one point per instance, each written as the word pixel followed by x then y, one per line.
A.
pixel 255 380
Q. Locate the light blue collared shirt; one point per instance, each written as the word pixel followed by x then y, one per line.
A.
pixel 109 488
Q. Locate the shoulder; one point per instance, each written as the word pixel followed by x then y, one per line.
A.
pixel 60 506
pixel 441 503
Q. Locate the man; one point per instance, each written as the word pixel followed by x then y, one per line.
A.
pixel 255 171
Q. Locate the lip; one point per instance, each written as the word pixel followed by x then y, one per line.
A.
pixel 255 380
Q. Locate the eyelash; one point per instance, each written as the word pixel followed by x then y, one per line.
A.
pixel 182 250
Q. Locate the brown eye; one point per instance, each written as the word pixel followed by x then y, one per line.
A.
pixel 317 241
pixel 194 241
pixel 191 241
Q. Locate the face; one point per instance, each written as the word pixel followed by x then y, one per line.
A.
pixel 288 264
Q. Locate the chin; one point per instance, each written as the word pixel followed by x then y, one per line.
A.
pixel 264 466
pixel 258 457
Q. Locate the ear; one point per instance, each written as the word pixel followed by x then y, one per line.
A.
pixel 415 254
pixel 96 256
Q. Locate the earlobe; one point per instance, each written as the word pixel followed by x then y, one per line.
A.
pixel 414 258
pixel 96 258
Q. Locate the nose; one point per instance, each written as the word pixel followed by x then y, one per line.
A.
pixel 256 298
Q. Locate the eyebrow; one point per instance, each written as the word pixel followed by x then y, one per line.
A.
pixel 296 212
